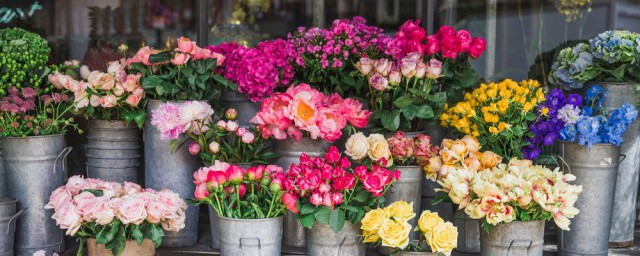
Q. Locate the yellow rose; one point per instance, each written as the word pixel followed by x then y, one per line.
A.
pixel 379 148
pixel 429 220
pixel 449 157
pixel 443 238
pixel 459 147
pixel 373 220
pixel 433 167
pixel 446 143
pixel 357 146
pixel 370 236
pixel 472 143
pixel 400 210
pixel 490 159
pixel 395 233
pixel 472 163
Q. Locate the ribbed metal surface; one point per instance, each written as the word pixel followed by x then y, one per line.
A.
pixel 113 151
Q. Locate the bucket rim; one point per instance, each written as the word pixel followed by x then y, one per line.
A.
pixel 593 144
pixel 8 200
pixel 250 220
pixel 34 137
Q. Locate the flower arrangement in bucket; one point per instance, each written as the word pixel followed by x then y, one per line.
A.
pixel 303 111
pixel 519 191
pixel 111 95
pixel 184 73
pixel 456 154
pixel 257 71
pixel 31 105
pixel 390 227
pixel 498 115
pixel 611 56
pixel 327 191
pixel 114 213
pixel 397 149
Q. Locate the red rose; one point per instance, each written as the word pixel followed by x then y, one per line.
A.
pixel 345 182
pixel 433 45
pixel 412 30
pixel 449 47
pixel 361 172
pixel 464 40
pixel 477 47
pixel 333 155
pixel 414 46
pixel 445 31
pixel 374 183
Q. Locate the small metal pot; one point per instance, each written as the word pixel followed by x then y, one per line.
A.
pixel 517 238
pixel 321 240
pixel 251 236
pixel 8 218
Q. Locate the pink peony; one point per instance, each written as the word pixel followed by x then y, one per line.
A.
pixel 248 138
pixel 201 191
pixel 194 148
pixel 180 59
pixel 166 118
pixel 201 176
pixel 290 202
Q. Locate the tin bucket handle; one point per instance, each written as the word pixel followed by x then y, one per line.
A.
pixel 529 243
pixel 564 163
pixel 64 153
pixel 622 158
pixel 13 219
pixel 252 238
pixel 344 239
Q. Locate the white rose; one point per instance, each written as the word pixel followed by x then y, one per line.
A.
pixel 357 146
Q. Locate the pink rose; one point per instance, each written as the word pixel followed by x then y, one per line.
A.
pixel 378 82
pixel 94 100
pixel 86 204
pixel 290 201
pixel 132 210
pixel 219 58
pixel 365 65
pixel 434 69
pixel 326 200
pixel 346 181
pixel 132 82
pixel 316 199
pixel 66 217
pixel 174 221
pixel 118 90
pixel 58 197
pixel 382 66
pixel 200 53
pixel 422 149
pixel 412 30
pixel 433 45
pixel 131 188
pixel 108 101
pixel 352 110
pixel 414 46
pixel 477 47
pixel 139 92
pixel 449 47
pixel 375 183
pixel 156 211
pixel 185 45
pixel 54 79
pixel 104 214
pixel 180 59
pixel 171 200
pixel 75 184
pixel 336 198
pixel 401 147
pixel 395 77
pixel 464 40
pixel 445 31
pixel 409 64
pixel 421 70
pixel 107 82
pixel 132 100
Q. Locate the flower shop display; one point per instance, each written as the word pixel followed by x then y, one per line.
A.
pixel 122 217
pixel 389 227
pixel 330 198
pixel 33 124
pixel 498 114
pixel 248 204
pixel 515 197
pixel 113 103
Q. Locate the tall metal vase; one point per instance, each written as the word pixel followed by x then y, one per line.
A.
pixel 623 218
pixel 174 171
pixel 595 169
pixel 289 150
pixel 35 166
pixel 3 180
pixel 113 150
pixel 246 108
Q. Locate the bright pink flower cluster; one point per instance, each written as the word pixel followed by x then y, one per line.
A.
pixel 325 180
pixel 77 203
pixel 174 119
pixel 332 47
pixel 302 108
pixel 187 50
pixel 447 42
pixel 257 71
pixel 405 148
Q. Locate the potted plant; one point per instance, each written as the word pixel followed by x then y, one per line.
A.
pixel 330 198
pixel 513 201
pixel 258 72
pixel 389 227
pixel 113 102
pixel 589 148
pixel 248 203
pixel 111 218
pixel 184 73
pixel 33 125
pixel 609 60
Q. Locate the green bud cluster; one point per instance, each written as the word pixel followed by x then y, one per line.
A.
pixel 23 59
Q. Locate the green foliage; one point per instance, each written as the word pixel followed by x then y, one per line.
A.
pixel 115 235
pixel 24 59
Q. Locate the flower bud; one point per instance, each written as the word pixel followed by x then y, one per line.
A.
pixel 276 186
pixel 235 174
pixel 214 147
pixel 194 148
pixel 231 114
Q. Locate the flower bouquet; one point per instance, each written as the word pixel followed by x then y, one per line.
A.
pixel 397 149
pixel 389 227
pixel 109 214
pixel 302 109
pixel 184 73
pixel 498 115
pixel 327 191
pixel 609 57
pixel 461 153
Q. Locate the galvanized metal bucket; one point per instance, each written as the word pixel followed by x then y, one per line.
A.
pixel 322 241
pixel 403 253
pixel 468 232
pixel 289 151
pixel 408 188
pixel 174 171
pixel 8 218
pixel 626 193
pixel 214 222
pixel 35 166
pixel 260 237
pixel 596 170
pixel 444 209
pixel 113 151
pixel 3 181
pixel 246 108
pixel 517 238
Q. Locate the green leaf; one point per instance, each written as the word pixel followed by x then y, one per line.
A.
pixel 403 101
pixel 258 211
pixel 156 234
pixel 322 214
pixel 307 209
pixel 390 120
pixel 336 220
pixel 409 112
pixel 160 57
pixel 361 196
pixel 137 234
pixel 150 82
pixel 425 112
pixel 307 220
pixel 95 192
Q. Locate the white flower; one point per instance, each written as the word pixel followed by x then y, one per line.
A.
pixel 569 114
pixel 357 146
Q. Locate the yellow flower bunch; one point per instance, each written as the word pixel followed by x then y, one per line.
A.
pixel 498 114
pixel 455 154
pixel 390 227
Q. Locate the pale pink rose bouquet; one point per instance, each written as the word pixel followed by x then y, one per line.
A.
pixel 187 72
pixel 112 95
pixel 303 111
pixel 519 191
pixel 399 149
pixel 92 208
